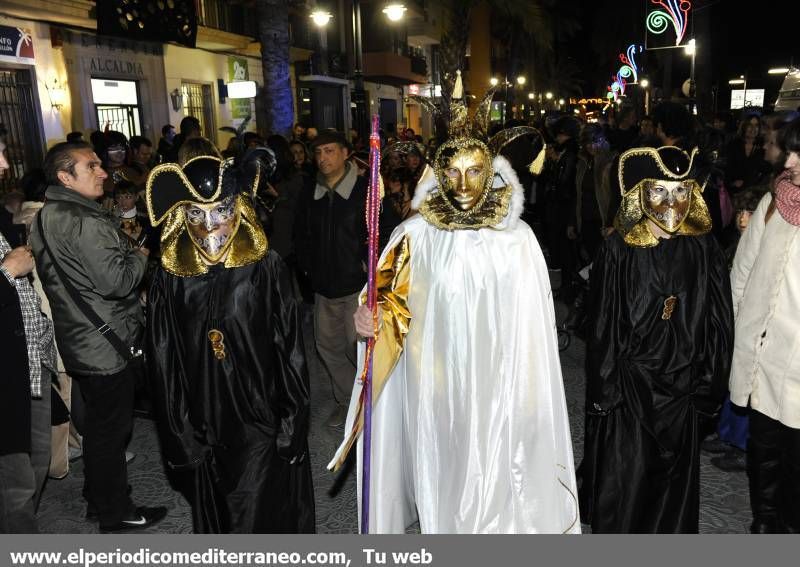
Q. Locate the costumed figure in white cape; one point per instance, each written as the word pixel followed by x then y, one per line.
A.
pixel 469 421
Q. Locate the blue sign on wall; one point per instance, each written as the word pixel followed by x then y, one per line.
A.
pixel 16 45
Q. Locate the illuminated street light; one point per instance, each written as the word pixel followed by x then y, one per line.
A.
pixel 394 12
pixel 561 102
pixel 690 48
pixel 530 96
pixel 493 81
pixel 779 71
pixel 739 81
pixel 321 18
pixel 644 83
pixel 548 95
pixel 520 80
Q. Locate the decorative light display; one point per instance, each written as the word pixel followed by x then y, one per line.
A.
pixel 629 68
pixel 675 12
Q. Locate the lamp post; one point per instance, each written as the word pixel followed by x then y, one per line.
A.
pixel 645 84
pixel 394 12
pixel 321 18
pixel 742 80
pixel 691 50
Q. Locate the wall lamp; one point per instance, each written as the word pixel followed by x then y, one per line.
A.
pixel 56 93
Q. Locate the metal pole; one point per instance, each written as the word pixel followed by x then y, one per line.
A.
pixel 647 101
pixel 359 95
pixel 691 84
pixel 744 99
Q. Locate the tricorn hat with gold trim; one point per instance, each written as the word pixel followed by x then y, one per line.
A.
pixel 205 180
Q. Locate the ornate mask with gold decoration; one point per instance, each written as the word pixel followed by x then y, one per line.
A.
pixel 658 185
pixel 465 188
pixel 207 212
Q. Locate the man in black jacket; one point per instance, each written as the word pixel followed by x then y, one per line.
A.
pixel 78 244
pixel 331 237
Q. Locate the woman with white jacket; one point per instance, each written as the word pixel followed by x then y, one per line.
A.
pixel 765 282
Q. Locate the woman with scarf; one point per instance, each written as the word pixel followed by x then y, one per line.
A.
pixel 765 375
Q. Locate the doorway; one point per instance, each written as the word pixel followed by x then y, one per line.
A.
pixel 116 106
pixel 19 125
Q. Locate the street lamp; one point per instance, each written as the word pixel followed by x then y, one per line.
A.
pixel 394 12
pixel 645 84
pixel 548 95
pixel 561 102
pixel 742 80
pixel 493 81
pixel 691 49
pixel 521 80
pixel 531 96
pixel 779 71
pixel 321 18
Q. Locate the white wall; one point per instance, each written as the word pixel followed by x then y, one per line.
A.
pixel 48 67
pixel 199 66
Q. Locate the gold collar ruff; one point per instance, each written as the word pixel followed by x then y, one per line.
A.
pixel 488 212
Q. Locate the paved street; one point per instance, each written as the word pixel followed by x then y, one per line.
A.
pixel 724 500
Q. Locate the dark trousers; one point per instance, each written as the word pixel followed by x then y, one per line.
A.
pixel 22 475
pixel 108 422
pixel 773 468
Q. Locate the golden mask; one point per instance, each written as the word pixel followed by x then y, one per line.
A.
pixel 464 170
pixel 667 203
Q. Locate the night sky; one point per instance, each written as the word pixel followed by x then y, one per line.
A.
pixel 742 37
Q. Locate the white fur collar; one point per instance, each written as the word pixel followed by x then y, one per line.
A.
pixel 504 175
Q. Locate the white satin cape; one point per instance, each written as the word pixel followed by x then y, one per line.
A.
pixel 471 433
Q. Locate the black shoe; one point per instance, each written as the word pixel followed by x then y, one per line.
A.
pixel 732 461
pixel 143 517
pixel 91 509
pixel 765 526
pixel 714 445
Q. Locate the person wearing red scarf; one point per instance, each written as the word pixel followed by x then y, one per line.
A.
pixel 765 374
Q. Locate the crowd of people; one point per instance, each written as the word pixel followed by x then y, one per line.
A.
pixel 170 279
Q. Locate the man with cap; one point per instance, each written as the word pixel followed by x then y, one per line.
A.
pixel 658 351
pixel 331 236
pixel 225 349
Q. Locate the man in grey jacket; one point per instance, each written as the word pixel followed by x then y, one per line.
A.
pixel 81 243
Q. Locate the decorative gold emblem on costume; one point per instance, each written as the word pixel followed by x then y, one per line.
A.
pixel 217 339
pixel 669 307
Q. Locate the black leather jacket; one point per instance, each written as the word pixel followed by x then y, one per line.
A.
pixel 331 237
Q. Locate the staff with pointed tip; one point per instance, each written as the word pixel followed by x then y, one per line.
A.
pixel 372 211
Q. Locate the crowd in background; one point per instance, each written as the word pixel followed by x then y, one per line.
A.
pixel 312 211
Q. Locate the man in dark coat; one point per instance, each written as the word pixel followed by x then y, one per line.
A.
pixel 658 352
pixel 229 378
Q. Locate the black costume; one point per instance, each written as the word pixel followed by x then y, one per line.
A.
pixel 226 356
pixel 658 357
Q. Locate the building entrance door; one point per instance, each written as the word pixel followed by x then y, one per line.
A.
pixel 116 106
pixel 19 126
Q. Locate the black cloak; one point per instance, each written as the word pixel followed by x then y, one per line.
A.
pixel 231 426
pixel 653 377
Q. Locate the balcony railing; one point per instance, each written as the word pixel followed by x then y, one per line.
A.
pixel 232 18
